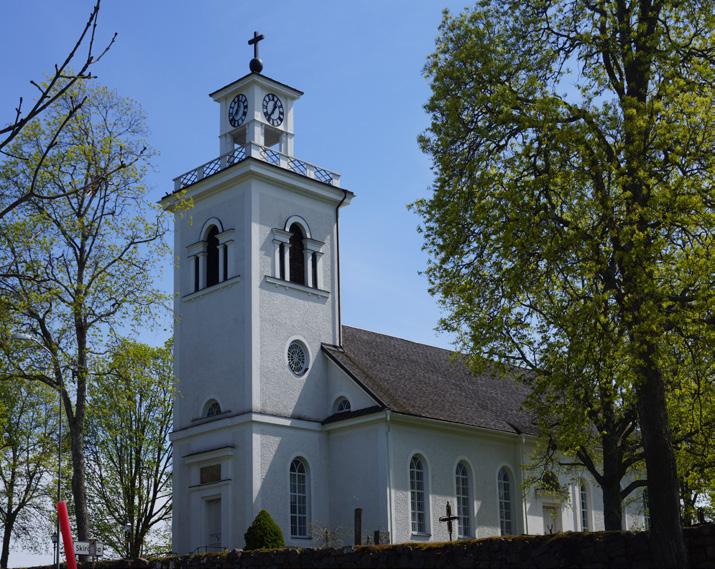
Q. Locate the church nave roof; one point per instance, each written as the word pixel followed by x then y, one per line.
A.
pixel 425 381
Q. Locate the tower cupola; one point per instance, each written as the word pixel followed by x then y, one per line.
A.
pixel 256 109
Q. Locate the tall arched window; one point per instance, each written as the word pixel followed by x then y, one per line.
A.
pixel 418 511
pixel 212 275
pixel 583 495
pixel 464 500
pixel 505 502
pixel 299 498
pixel 296 256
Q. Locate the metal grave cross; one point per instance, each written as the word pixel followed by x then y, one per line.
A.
pixel 254 42
pixel 449 518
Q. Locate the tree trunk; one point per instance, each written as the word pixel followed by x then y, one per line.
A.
pixel 79 489
pixel 7 533
pixel 135 550
pixel 611 485
pixel 666 532
pixel 612 512
pixel 638 260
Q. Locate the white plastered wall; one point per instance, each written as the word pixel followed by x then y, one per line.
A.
pixel 341 385
pixel 278 447
pixel 358 478
pixel 211 326
pixel 217 442
pixel 442 448
pixel 289 313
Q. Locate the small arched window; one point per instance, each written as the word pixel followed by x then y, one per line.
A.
pixel 296 258
pixel 418 511
pixel 212 261
pixel 583 495
pixel 342 405
pixel 464 500
pixel 505 502
pixel 212 408
pixel 299 498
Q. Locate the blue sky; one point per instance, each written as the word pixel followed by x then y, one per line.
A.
pixel 360 66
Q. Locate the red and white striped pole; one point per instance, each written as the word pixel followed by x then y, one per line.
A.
pixel 64 519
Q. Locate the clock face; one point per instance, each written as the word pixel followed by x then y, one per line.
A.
pixel 237 110
pixel 273 109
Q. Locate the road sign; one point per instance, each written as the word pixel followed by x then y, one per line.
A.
pixel 92 547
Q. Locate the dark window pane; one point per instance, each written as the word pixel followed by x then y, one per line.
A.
pixel 314 263
pixel 297 262
pixel 212 257
pixel 225 262
pixel 213 409
pixel 209 474
pixel 196 274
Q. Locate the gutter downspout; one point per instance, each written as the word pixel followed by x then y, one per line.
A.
pixel 337 260
pixel 389 475
pixel 523 499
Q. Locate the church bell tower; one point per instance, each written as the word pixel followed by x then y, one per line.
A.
pixel 256 110
pixel 256 295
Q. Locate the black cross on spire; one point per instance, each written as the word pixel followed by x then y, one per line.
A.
pixel 256 65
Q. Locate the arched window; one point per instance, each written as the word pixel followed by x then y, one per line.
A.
pixel 299 498
pixel 212 263
pixel 418 511
pixel 464 500
pixel 212 409
pixel 296 258
pixel 505 502
pixel 583 495
pixel 342 405
pixel 646 510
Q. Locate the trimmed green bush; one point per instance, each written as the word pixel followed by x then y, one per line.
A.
pixel 264 533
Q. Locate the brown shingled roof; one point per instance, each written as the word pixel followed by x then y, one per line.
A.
pixel 417 379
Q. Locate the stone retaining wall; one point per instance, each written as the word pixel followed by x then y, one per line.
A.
pixel 625 550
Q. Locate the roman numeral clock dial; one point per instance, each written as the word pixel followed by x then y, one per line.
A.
pixel 237 110
pixel 273 109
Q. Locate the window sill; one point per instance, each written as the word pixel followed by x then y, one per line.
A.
pixel 301 537
pixel 222 482
pixel 320 293
pixel 201 420
pixel 209 289
pixel 420 534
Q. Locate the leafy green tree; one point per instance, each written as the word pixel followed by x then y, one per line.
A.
pixel 128 447
pixel 28 447
pixel 691 401
pixel 80 266
pixel 572 215
pixel 586 425
pixel 264 533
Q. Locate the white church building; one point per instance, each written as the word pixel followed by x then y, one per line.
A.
pixel 281 407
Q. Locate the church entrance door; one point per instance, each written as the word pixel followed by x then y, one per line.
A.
pixel 552 518
pixel 213 523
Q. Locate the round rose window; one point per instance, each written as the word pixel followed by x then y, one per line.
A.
pixel 297 357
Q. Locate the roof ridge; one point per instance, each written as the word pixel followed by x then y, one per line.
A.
pixel 490 363
pixel 406 340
